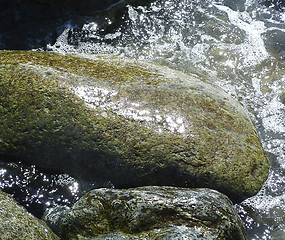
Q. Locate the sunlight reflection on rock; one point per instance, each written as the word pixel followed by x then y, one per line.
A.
pixel 98 97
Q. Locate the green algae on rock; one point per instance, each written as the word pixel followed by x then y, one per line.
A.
pixel 128 122
pixel 153 213
pixel 16 223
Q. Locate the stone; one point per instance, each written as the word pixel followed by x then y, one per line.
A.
pixel 274 42
pixel 153 213
pixel 16 223
pixel 104 119
pixel 53 217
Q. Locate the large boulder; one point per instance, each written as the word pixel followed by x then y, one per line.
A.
pixel 132 123
pixel 153 213
pixel 16 223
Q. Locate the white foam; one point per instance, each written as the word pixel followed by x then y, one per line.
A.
pixel 253 50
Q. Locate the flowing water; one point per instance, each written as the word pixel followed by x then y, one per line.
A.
pixel 238 45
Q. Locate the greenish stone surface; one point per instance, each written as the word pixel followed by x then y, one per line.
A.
pixel 132 123
pixel 16 223
pixel 153 213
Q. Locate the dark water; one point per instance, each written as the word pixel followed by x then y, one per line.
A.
pixel 36 189
pixel 238 45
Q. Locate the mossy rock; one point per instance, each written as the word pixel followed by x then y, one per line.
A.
pixel 153 213
pixel 16 223
pixel 132 123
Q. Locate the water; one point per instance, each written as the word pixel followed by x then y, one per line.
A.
pixel 238 45
pixel 36 189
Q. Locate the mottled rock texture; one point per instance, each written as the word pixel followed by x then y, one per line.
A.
pixel 153 213
pixel 132 123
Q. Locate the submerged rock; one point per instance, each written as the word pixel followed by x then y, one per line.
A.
pixel 127 122
pixel 16 223
pixel 274 42
pixel 153 213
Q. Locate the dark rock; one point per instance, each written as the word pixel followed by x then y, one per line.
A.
pixel 127 122
pixel 153 213
pixel 53 217
pixel 274 42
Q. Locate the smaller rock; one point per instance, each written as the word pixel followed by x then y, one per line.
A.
pixel 17 224
pixel 53 217
pixel 153 213
pixel 274 42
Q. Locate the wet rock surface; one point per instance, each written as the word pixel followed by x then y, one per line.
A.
pixel 274 41
pixel 126 122
pixel 16 223
pixel 54 216
pixel 153 213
